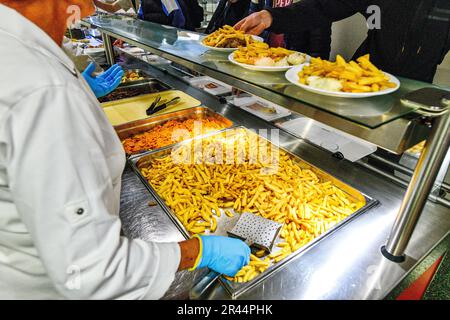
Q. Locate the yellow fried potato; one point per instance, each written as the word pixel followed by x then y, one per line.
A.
pixel 256 50
pixel 357 77
pixel 388 84
pixel 221 37
pixel 340 61
pixel 295 194
pixel 346 75
pixel 370 80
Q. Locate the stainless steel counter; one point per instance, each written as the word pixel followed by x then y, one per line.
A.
pixel 346 265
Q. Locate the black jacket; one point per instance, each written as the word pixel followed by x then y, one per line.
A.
pixel 413 39
pixel 315 41
pixel 228 13
pixel 152 11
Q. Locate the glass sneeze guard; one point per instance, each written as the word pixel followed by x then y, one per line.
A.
pixel 368 112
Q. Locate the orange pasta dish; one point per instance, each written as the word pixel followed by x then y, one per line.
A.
pixel 171 132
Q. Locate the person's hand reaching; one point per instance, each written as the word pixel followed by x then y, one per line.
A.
pixel 255 23
pixel 104 83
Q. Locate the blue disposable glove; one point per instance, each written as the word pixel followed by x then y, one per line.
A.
pixel 223 254
pixel 104 83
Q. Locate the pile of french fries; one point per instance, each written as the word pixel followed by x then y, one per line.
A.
pixel 257 50
pixel 357 77
pixel 222 36
pixel 261 179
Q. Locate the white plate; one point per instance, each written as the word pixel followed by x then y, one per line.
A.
pixel 246 102
pixel 292 76
pixel 201 82
pixel 256 38
pixel 261 68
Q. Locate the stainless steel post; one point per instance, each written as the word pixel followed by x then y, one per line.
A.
pixel 109 49
pixel 419 188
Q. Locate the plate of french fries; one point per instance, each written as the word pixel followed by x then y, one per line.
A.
pixel 354 79
pixel 228 39
pixel 259 56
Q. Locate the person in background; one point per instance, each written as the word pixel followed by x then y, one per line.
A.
pixel 184 14
pixel 115 5
pixel 228 12
pixel 61 165
pixel 316 41
pixel 408 38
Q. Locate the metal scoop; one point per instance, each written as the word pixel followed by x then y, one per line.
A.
pixel 256 231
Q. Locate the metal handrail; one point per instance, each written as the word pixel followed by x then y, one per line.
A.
pixel 401 182
pixel 444 185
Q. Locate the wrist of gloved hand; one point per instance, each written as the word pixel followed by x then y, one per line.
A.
pixel 224 255
pixel 200 253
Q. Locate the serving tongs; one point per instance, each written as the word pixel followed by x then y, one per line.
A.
pixel 154 107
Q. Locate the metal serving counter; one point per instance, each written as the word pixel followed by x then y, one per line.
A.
pixel 417 111
pixel 346 265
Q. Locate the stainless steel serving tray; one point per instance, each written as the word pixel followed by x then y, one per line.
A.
pixel 134 89
pixel 130 129
pixel 225 223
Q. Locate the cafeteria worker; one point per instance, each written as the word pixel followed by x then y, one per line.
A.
pixel 60 176
pixel 408 38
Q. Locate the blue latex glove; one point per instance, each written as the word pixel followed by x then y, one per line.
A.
pixel 104 83
pixel 223 254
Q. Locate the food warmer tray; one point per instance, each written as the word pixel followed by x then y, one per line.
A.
pixel 134 89
pixel 129 129
pixel 225 223
pixel 131 109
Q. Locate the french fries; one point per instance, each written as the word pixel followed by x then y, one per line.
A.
pixel 260 179
pixel 356 77
pixel 227 37
pixel 258 50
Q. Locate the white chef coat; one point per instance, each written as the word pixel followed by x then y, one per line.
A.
pixel 60 175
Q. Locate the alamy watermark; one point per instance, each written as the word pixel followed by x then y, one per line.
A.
pixel 374 20
pixel 74 17
pixel 231 147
